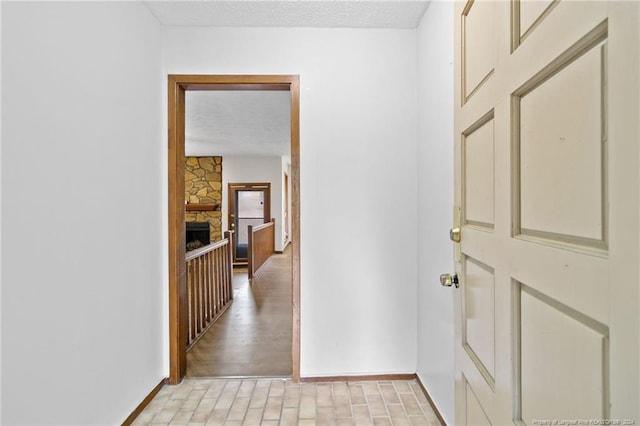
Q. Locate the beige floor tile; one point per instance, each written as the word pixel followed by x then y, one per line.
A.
pixel 265 402
pixel 417 391
pixel 263 383
pixel 291 397
pixel 276 389
pixel 225 400
pixel 325 414
pixel 370 387
pixel 419 420
pixel 259 397
pixel 357 394
pixel 411 404
pixel 166 390
pixel 308 389
pixel 324 395
pixel 238 409
pixel 144 418
pixel 402 386
pixel 168 411
pixel 397 414
pixel 307 407
pixel 289 417
pixel 246 388
pixel 183 390
pixel 361 415
pixel 202 383
pixel 377 406
pixel 181 418
pixel 253 417
pixel 217 417
pixel 203 410
pixel 156 405
pixel 272 409
pixel 215 389
pixel 340 388
pixel 193 400
pixel 427 409
pixel 342 406
pixel 431 415
pixel 389 394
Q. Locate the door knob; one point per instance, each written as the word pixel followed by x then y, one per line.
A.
pixel 447 280
pixel 454 234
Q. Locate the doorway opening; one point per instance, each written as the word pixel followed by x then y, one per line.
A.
pixel 249 204
pixel 178 303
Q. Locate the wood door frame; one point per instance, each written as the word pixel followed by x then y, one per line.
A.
pixel 285 215
pixel 178 84
pixel 232 188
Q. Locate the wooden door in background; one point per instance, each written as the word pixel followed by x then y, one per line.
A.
pixel 249 204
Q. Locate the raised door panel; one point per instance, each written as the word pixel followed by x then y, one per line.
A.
pixel 562 152
pixel 527 16
pixel 479 44
pixel 563 361
pixel 475 415
pixel 479 317
pixel 479 176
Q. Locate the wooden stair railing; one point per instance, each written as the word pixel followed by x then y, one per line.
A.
pixel 209 286
pixel 261 245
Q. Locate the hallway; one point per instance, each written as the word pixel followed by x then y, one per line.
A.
pixel 253 338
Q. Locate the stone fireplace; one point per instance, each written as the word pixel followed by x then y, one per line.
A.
pixel 203 194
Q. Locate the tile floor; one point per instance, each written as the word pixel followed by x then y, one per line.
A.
pixel 280 402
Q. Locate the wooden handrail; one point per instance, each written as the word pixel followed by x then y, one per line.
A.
pixel 209 286
pixel 261 245
pixel 257 228
pixel 206 249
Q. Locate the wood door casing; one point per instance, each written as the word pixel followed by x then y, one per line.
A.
pixel 177 85
pixel 285 216
pixel 546 178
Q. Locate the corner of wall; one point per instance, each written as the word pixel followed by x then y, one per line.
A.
pixel 435 204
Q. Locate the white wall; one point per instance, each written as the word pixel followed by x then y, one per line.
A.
pixel 82 175
pixel 0 217
pixel 435 204
pixel 254 170
pixel 358 153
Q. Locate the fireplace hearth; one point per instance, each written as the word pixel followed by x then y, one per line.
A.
pixel 198 235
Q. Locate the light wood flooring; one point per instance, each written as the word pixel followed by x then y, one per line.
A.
pixel 253 337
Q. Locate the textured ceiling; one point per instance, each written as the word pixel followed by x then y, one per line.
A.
pixel 237 123
pixel 298 13
pixel 257 123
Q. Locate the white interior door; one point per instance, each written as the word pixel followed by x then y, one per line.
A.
pixel 546 160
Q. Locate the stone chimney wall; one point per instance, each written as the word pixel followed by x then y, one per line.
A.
pixel 203 185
